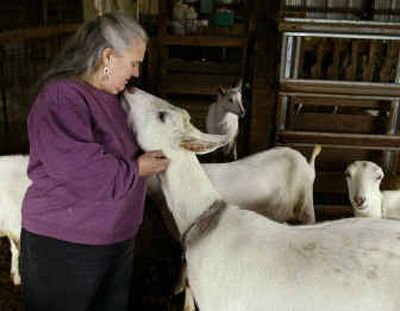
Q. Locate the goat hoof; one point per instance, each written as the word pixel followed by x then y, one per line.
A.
pixel 15 279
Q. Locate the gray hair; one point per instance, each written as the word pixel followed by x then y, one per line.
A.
pixel 82 53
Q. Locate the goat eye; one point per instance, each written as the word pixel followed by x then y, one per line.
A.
pixel 347 175
pixel 379 177
pixel 162 115
pixel 230 100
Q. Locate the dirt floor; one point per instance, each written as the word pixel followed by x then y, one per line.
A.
pixel 10 296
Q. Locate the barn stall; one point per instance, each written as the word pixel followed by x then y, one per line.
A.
pixel 318 72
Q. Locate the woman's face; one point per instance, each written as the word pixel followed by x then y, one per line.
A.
pixel 122 66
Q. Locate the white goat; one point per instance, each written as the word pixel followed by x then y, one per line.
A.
pixel 363 180
pixel 276 183
pixel 223 115
pixel 238 260
pixel 13 184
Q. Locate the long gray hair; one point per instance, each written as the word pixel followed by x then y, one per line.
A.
pixel 82 53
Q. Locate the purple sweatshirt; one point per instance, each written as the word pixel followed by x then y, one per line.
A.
pixel 83 166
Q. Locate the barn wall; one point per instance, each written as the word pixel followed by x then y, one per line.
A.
pixel 30 38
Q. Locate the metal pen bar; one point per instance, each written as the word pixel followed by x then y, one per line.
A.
pixel 343 35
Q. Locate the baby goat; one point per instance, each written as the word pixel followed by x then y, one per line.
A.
pixel 223 115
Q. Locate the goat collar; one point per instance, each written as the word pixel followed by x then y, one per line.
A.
pixel 206 222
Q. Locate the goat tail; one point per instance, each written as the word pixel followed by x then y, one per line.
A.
pixel 316 151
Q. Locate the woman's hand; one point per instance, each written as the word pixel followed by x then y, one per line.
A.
pixel 151 163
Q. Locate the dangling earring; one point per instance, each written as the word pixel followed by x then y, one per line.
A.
pixel 106 72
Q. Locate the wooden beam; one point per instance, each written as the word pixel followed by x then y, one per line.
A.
pixel 337 89
pixel 217 41
pixel 21 35
pixel 340 140
pixel 339 27
pixel 196 84
pixel 339 123
pixel 200 67
pixel 306 99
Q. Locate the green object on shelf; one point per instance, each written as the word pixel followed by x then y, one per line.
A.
pixel 223 18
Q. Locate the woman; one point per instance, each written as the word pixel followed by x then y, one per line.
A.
pixel 85 204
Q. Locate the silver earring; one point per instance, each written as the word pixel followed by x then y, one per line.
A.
pixel 106 72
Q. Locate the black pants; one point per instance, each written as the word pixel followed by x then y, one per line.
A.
pixel 62 276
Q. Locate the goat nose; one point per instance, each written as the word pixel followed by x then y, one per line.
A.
pixel 359 200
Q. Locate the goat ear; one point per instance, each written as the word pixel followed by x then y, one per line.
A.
pixel 238 84
pixel 203 145
pixel 221 90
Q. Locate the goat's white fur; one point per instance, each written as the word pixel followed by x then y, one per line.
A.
pixel 249 262
pixel 276 183
pixel 363 180
pixel 13 184
pixel 223 115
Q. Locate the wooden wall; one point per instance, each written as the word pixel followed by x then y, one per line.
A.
pixel 33 13
pixel 31 33
pixel 23 61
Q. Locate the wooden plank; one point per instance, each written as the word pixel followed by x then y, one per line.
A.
pixel 340 27
pixel 217 41
pixel 367 90
pixel 338 49
pixel 330 182
pixel 390 62
pixel 181 65
pixel 22 35
pixel 374 48
pixel 341 140
pixel 339 102
pixel 322 48
pixel 351 70
pixel 194 83
pixel 339 123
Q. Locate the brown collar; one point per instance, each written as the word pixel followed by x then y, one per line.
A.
pixel 204 224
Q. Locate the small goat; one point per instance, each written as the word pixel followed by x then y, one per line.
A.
pixel 238 260
pixel 223 115
pixel 13 184
pixel 363 180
